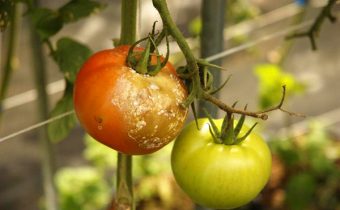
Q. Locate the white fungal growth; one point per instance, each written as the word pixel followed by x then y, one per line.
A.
pixel 141 98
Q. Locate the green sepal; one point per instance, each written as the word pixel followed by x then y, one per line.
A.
pixel 212 124
pixel 213 135
pixel 194 112
pixel 211 92
pixel 191 97
pixel 208 80
pixel 131 60
pixel 239 125
pixel 203 62
pixel 238 140
pixel 224 124
pixel 228 135
pixel 184 73
pixel 154 69
pixel 142 64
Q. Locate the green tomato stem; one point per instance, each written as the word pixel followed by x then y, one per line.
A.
pixel 129 22
pixel 124 194
pixel 173 30
pixel 12 43
pixel 47 147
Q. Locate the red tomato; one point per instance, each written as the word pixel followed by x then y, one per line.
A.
pixel 127 111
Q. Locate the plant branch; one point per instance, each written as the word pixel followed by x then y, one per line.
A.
pixel 191 72
pixel 47 151
pixel 259 114
pixel 129 22
pixel 124 192
pixel 314 30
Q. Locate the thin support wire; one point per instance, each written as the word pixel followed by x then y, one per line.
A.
pixel 32 127
pixel 210 58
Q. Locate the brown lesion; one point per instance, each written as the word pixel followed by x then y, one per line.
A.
pixel 98 119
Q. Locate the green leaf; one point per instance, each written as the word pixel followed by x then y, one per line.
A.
pixel 46 22
pixel 6 11
pixel 59 129
pixel 300 191
pixel 70 56
pixel 77 9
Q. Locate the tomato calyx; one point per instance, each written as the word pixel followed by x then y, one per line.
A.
pixel 228 134
pixel 142 61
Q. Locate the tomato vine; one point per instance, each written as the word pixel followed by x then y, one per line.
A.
pixel 192 72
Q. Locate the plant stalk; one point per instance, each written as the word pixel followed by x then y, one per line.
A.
pixel 124 192
pixel 212 42
pixel 47 152
pixel 128 21
pixel 9 63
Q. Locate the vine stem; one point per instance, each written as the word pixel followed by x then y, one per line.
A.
pixel 124 192
pixel 171 27
pixel 315 28
pixel 12 43
pixel 47 151
pixel 196 90
pixel 212 42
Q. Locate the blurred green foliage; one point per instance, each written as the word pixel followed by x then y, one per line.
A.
pixel 82 188
pixel 89 187
pixel 271 79
pixel 241 10
pixel 312 174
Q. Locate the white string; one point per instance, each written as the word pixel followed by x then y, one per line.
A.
pixel 257 41
pixel 242 28
pixel 32 127
pixel 210 58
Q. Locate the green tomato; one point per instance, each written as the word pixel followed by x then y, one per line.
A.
pixel 216 175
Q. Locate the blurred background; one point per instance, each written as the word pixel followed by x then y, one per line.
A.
pixel 306 151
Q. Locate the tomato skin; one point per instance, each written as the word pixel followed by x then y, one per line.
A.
pixel 129 112
pixel 219 176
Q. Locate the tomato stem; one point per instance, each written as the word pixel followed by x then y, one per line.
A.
pixel 191 72
pixel 48 163
pixel 12 43
pixel 124 193
pixel 129 22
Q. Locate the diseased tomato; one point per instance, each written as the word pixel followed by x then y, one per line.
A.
pixel 127 111
pixel 216 175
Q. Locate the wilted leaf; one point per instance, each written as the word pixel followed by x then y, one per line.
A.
pixel 77 9
pixel 46 22
pixel 70 56
pixel 59 129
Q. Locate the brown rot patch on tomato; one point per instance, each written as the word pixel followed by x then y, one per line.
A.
pixel 127 111
pixel 99 121
pixel 153 113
